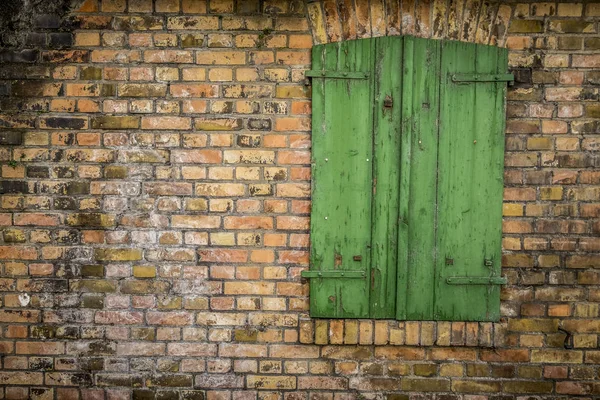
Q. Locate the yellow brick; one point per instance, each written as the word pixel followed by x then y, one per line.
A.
pixel 246 74
pixel 167 6
pixel 167 74
pixel 222 239
pixel 113 5
pixel 87 39
pixel 194 6
pixel 118 254
pixel 220 74
pixel 365 332
pixel 144 271
pixel 570 9
pixel 512 210
pixel 451 370
pixel 321 332
pixel 551 193
pixel 539 143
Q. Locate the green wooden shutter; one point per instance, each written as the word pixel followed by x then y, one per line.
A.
pixel 342 158
pixel 407 179
pixel 470 182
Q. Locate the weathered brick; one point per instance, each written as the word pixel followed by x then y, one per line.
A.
pixel 21 378
pixel 141 90
pixel 116 254
pixel 170 123
pixel 266 382
pixel 115 122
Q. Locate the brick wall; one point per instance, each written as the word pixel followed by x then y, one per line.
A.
pixel 155 199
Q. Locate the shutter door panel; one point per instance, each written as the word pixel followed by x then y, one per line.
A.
pixel 342 182
pixel 470 184
pixel 387 129
pixel 420 107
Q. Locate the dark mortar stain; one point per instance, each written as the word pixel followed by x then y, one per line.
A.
pixel 17 17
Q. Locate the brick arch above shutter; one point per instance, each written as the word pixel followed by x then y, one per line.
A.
pixel 475 21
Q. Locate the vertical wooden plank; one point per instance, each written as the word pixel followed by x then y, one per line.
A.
pixel 408 67
pixel 470 165
pixel 420 107
pixel 386 172
pixel 342 176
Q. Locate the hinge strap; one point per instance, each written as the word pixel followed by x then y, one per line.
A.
pixel 334 274
pixel 336 74
pixel 482 78
pixel 476 280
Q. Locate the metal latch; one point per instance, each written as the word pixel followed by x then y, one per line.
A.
pixel 388 102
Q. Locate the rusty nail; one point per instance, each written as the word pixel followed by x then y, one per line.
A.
pixel 474 141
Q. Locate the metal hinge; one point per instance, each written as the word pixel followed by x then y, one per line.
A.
pixel 333 274
pixel 336 74
pixel 465 78
pixel 476 280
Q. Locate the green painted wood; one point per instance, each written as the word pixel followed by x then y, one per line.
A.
pixel 342 180
pixel 386 174
pixel 470 173
pixel 416 281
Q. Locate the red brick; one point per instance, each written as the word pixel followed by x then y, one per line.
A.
pixel 40 348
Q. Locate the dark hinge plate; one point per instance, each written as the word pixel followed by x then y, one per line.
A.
pixel 476 280
pixel 466 78
pixel 334 274
pixel 337 74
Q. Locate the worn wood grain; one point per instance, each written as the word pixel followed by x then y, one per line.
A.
pixel 386 172
pixel 420 107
